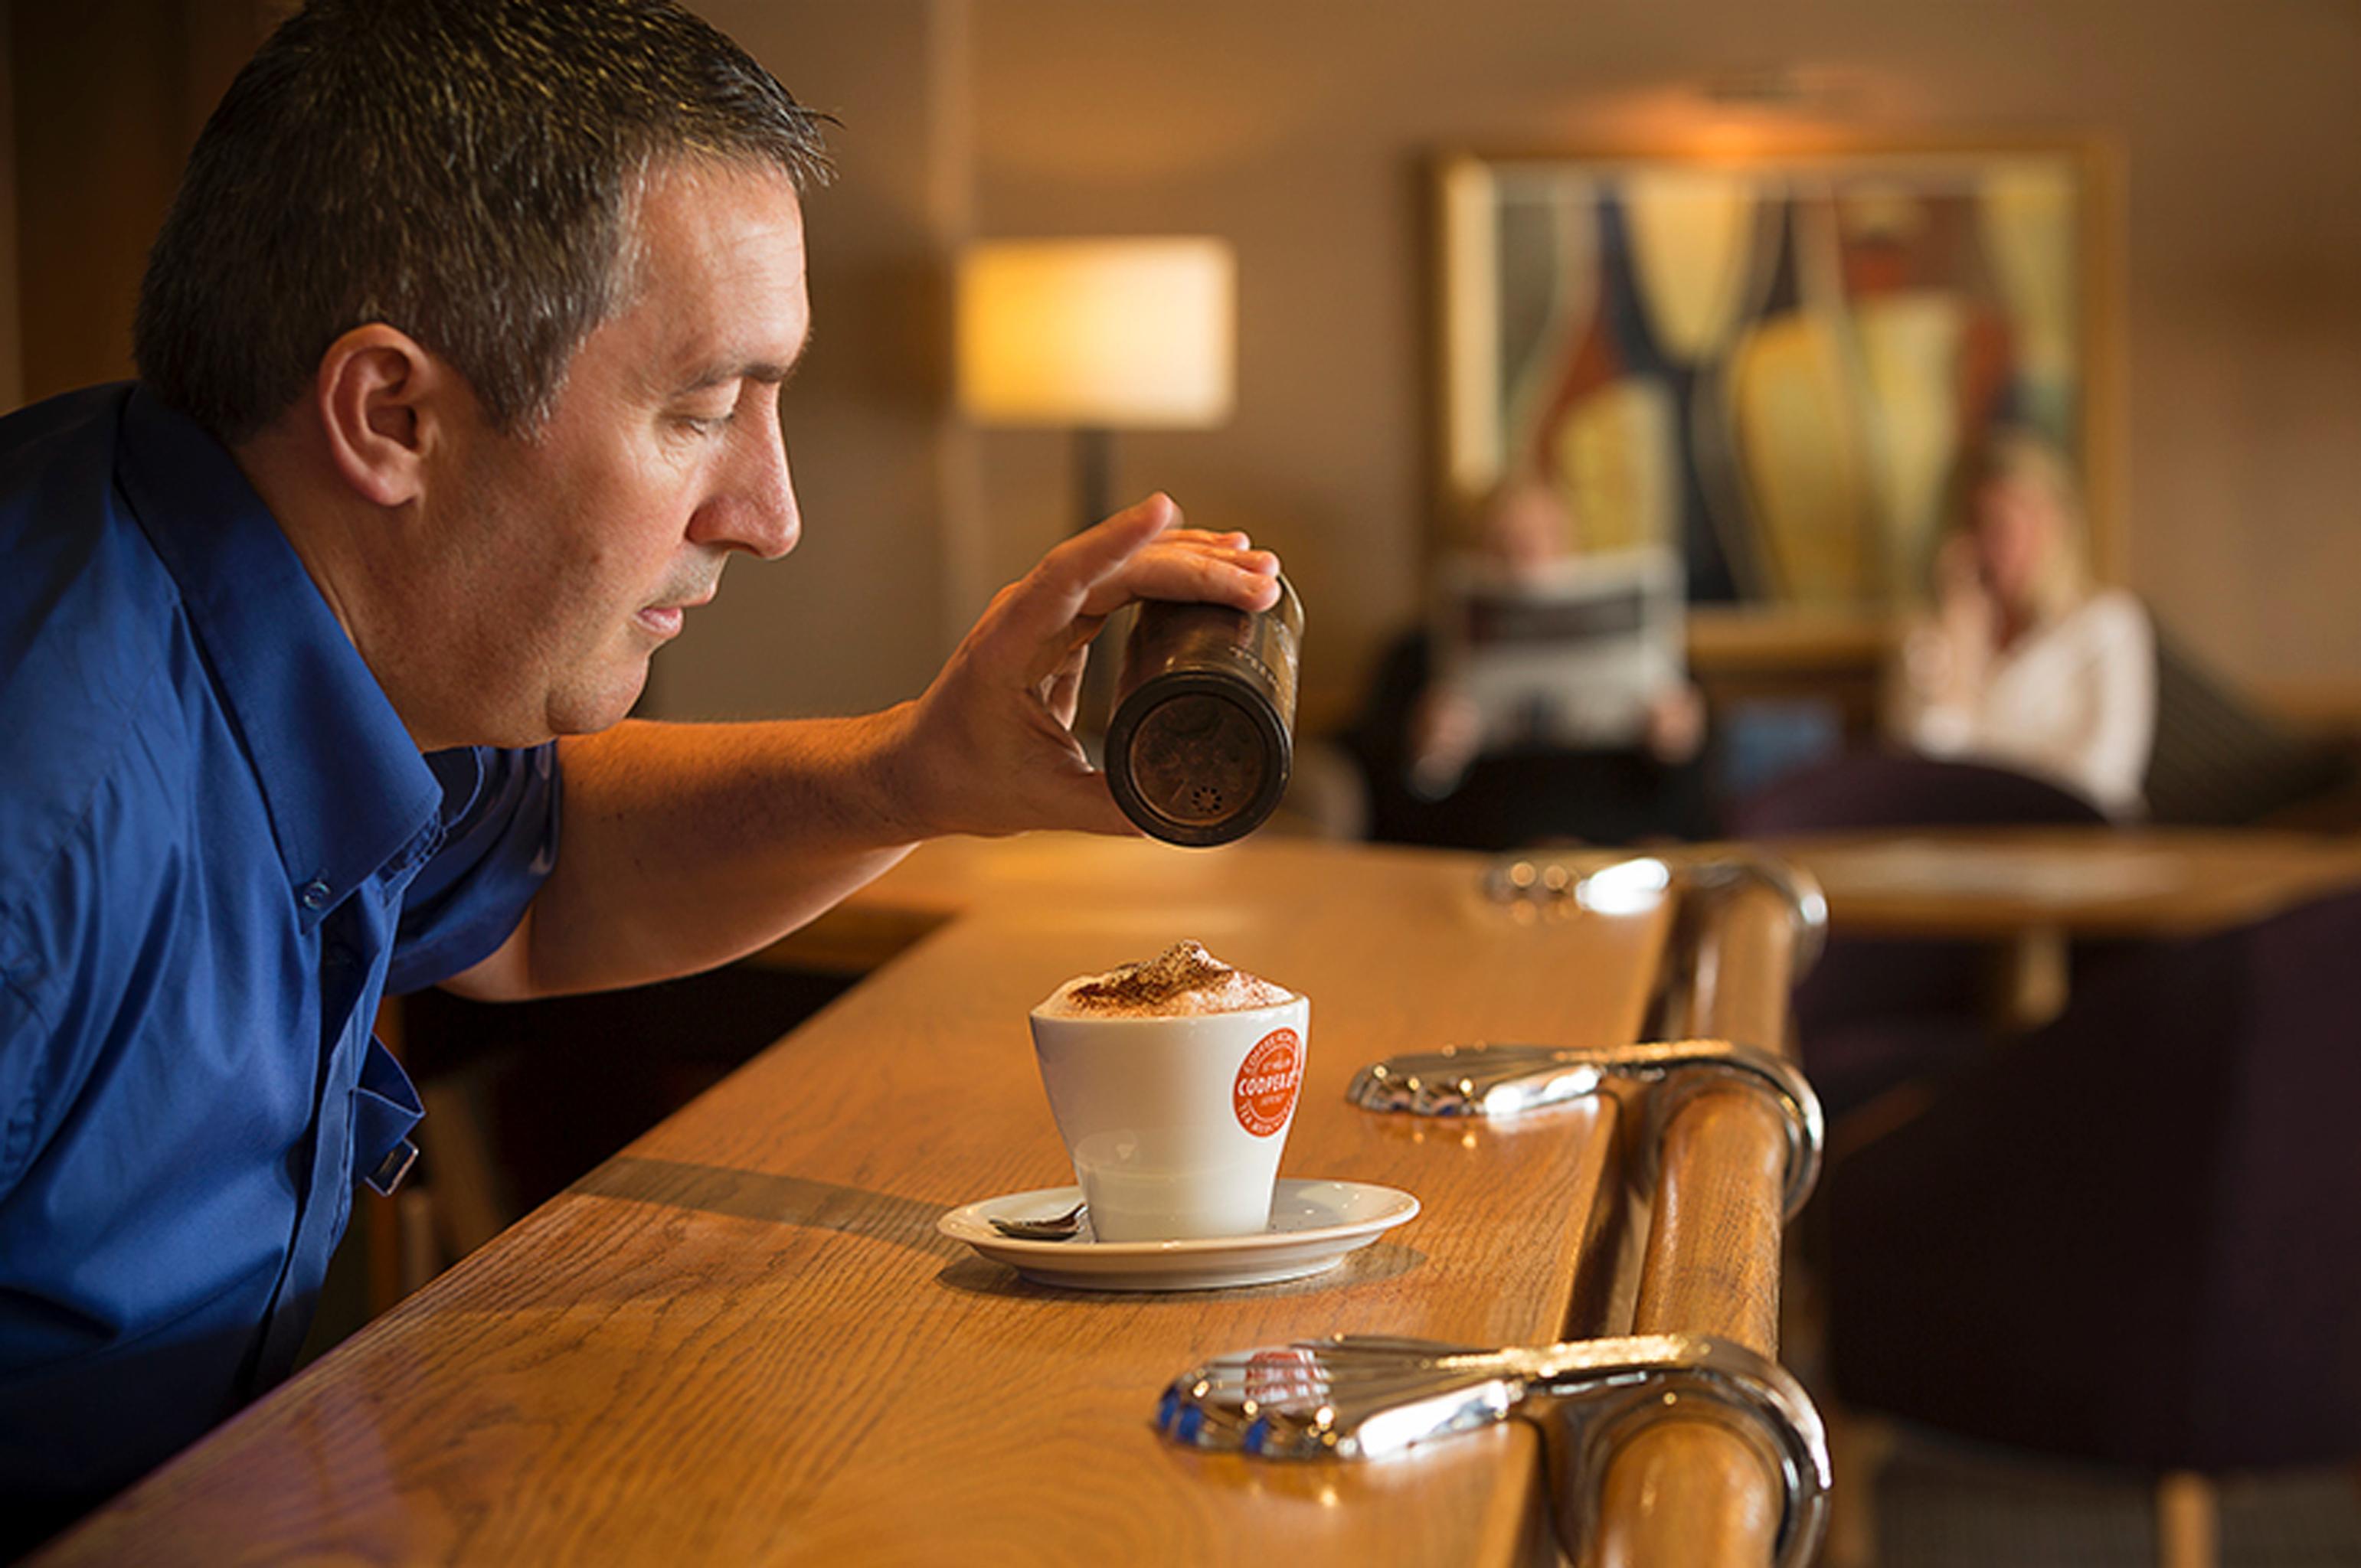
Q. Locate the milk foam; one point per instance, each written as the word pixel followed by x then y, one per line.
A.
pixel 1182 982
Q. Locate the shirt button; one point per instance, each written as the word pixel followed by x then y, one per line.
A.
pixel 315 895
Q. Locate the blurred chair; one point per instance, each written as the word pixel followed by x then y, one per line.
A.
pixel 2221 760
pixel 1897 789
pixel 1876 1012
pixel 2133 1236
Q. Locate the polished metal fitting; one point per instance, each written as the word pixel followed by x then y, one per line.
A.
pixel 1554 887
pixel 1503 1080
pixel 1357 1397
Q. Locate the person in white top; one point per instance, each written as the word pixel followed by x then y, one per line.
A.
pixel 2021 665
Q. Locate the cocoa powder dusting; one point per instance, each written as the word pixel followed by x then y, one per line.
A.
pixel 1183 979
pixel 1183 966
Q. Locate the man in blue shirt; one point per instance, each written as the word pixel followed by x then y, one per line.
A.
pixel 460 355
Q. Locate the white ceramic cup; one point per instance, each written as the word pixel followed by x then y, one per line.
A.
pixel 1175 1124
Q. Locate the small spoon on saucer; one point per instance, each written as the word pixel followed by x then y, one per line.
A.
pixel 1062 1227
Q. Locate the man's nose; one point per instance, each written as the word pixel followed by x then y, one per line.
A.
pixel 753 507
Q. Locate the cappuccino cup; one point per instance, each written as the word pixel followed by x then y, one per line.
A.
pixel 1174 1083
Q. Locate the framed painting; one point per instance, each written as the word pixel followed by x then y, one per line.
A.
pixel 1771 365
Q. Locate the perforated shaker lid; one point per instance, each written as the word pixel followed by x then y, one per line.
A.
pixel 1198 762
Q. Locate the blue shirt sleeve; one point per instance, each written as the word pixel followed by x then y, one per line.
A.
pixel 499 843
pixel 24 1046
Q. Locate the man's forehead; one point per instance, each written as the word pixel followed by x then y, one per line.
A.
pixel 720 286
pixel 693 188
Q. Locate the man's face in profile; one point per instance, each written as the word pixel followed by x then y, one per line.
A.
pixel 564 559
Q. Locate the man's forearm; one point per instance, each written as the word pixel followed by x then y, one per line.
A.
pixel 684 846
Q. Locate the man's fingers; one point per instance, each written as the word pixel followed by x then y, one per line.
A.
pixel 1092 554
pixel 1097 553
pixel 1261 562
pixel 1064 687
pixel 1051 594
pixel 1068 645
pixel 1140 553
pixel 1001 712
pixel 1247 580
pixel 1205 539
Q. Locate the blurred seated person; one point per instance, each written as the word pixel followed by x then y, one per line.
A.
pixel 2020 664
pixel 1436 777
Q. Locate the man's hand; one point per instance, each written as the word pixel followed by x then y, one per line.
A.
pixel 989 748
pixel 686 845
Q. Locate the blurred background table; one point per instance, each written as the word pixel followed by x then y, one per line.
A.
pixel 2034 892
pixel 2084 881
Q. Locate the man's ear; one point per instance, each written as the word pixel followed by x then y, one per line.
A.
pixel 384 404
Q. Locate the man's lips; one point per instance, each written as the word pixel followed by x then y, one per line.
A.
pixel 664 620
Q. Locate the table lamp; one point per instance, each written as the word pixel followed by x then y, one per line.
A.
pixel 1097 336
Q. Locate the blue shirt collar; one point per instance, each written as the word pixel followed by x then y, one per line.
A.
pixel 345 787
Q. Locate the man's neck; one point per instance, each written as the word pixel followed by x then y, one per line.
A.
pixel 326 526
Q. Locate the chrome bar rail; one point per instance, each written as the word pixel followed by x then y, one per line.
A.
pixel 1499 1081
pixel 1365 1398
pixel 1548 886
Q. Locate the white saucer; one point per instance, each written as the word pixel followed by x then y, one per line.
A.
pixel 1313 1224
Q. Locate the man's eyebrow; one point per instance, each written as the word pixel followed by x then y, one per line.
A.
pixel 760 371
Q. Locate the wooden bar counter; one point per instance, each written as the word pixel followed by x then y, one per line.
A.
pixel 743 1341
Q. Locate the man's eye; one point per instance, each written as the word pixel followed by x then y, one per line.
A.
pixel 707 424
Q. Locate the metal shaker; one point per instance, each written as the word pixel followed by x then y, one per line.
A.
pixel 1203 735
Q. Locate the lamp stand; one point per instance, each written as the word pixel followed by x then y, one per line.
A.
pixel 1093 474
pixel 1094 494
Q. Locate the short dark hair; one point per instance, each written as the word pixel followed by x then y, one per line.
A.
pixel 465 170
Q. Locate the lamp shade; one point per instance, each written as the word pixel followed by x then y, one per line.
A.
pixel 1104 333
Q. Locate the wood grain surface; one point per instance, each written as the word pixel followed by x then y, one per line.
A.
pixel 742 1340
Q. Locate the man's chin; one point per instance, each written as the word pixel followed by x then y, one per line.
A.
pixel 588 712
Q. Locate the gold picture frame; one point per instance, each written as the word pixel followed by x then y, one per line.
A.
pixel 1771 362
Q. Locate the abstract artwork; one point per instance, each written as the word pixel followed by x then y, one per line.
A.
pixel 1769 365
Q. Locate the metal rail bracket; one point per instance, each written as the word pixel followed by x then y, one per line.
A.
pixel 1502 1080
pixel 1358 1397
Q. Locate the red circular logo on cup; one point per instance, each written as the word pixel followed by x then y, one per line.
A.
pixel 1268 1079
